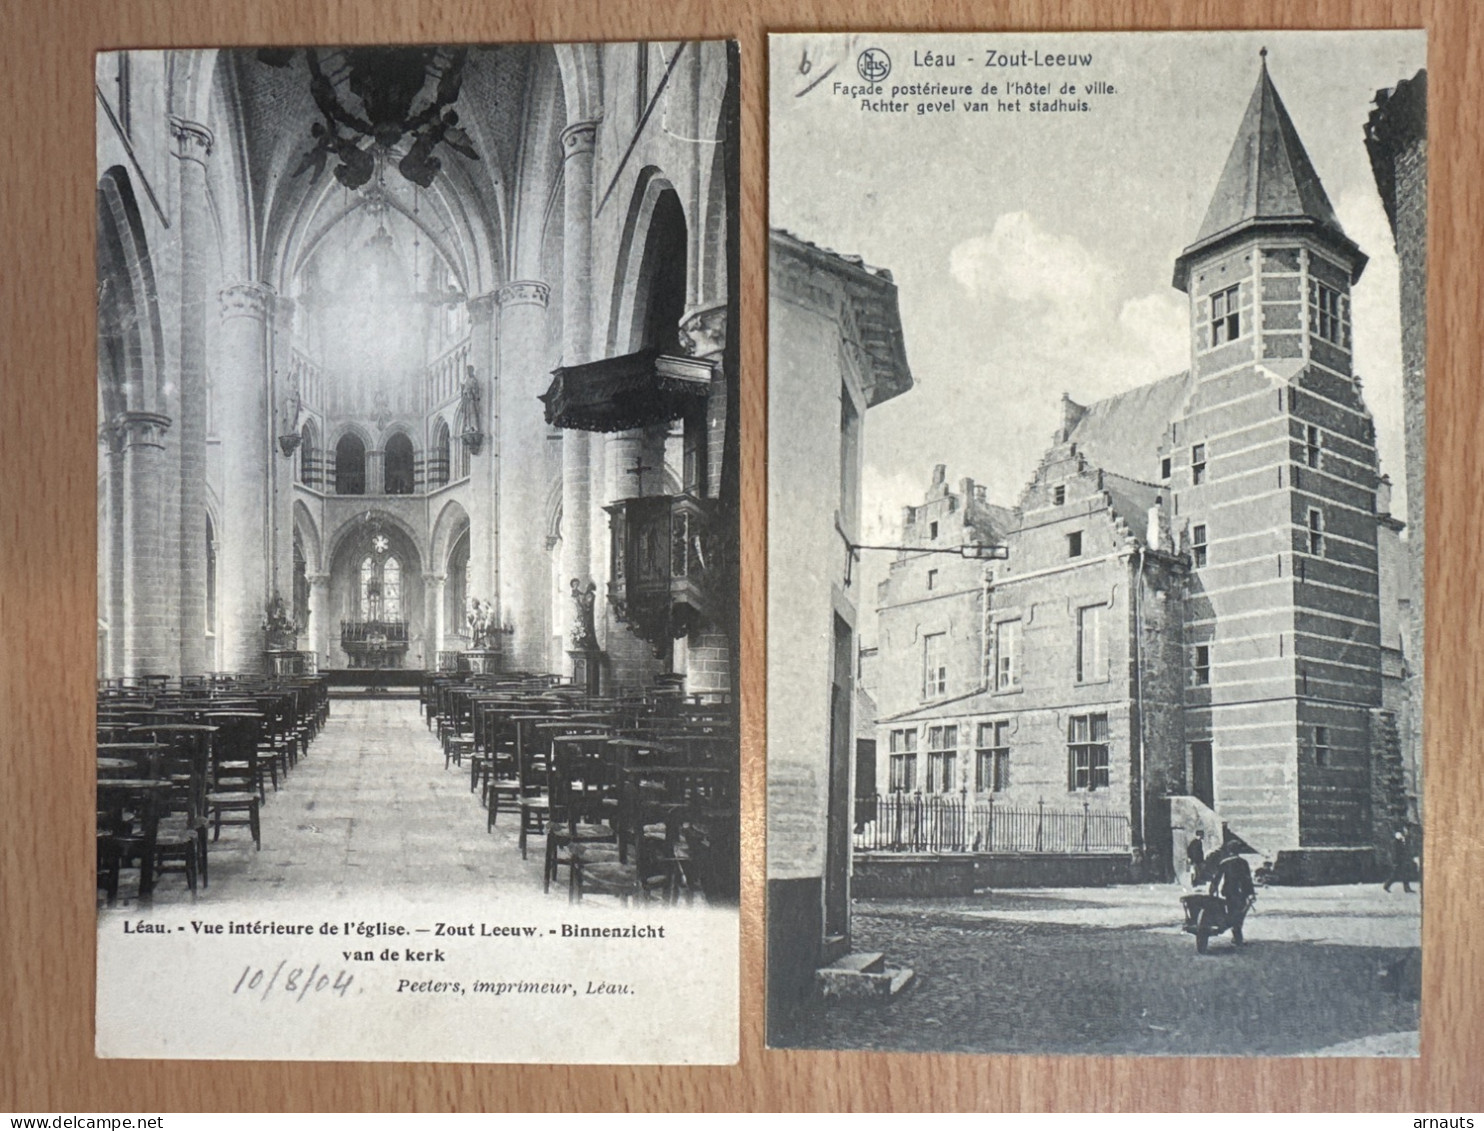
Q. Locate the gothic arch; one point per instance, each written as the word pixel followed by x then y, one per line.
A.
pixel 654 194
pixel 130 341
pixel 308 531
pixel 353 527
pixel 452 521
pixel 582 80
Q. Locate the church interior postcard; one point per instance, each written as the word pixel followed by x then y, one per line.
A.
pixel 1096 371
pixel 417 542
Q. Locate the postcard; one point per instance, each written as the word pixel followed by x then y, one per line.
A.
pixel 417 538
pixel 1096 417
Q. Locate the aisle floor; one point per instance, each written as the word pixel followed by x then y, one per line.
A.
pixel 371 809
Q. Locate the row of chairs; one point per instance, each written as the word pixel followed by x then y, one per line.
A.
pixel 635 796
pixel 177 760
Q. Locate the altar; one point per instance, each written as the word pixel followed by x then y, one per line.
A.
pixel 374 644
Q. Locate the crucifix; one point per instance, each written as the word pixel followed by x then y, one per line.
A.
pixel 637 471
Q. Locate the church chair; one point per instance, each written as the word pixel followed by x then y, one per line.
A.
pixel 582 785
pixel 236 786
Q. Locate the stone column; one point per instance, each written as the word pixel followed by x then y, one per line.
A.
pixel 115 593
pixel 245 534
pixel 484 479
pixel 708 656
pixel 281 476
pixel 319 617
pixel 578 142
pixel 523 569
pixel 193 144
pixel 147 607
pixel 433 586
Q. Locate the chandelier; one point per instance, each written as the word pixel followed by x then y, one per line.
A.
pixel 381 99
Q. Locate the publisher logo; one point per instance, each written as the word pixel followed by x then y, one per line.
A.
pixel 873 64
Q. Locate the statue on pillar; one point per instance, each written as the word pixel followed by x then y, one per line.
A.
pixel 584 633
pixel 469 401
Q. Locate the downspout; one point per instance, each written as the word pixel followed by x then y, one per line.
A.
pixel 1139 694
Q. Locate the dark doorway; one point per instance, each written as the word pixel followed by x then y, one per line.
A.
pixel 838 818
pixel 1202 775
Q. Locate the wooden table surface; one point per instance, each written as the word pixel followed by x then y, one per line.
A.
pixel 47 586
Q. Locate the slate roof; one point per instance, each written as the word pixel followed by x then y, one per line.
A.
pixel 1268 179
pixel 1121 434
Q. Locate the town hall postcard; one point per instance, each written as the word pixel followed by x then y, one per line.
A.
pixel 1096 394
pixel 417 633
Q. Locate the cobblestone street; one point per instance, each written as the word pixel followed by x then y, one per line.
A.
pixel 1108 970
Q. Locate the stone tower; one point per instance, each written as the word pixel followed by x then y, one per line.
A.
pixel 1272 466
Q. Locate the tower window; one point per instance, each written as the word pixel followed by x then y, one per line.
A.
pixel 1198 544
pixel 1201 668
pixel 1226 319
pixel 1198 464
pixel 1074 544
pixel 1164 468
pixel 1059 495
pixel 1326 315
pixel 932 580
pixel 1321 746
pixel 933 529
pixel 1316 532
pixel 1311 447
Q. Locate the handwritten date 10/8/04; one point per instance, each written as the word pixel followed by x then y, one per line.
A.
pixel 293 981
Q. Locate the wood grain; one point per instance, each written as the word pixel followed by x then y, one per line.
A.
pixel 47 506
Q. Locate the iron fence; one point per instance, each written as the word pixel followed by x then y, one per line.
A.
pixel 916 822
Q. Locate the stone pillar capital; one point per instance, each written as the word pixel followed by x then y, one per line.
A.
pixel 578 138
pixel 435 578
pixel 703 331
pixel 482 307
pixel 522 292
pixel 139 430
pixel 247 300
pixel 193 141
pixel 317 579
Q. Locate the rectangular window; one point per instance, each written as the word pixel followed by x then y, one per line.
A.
pixel 933 529
pixel 902 761
pixel 1316 532
pixel 1006 655
pixel 934 665
pixel 1198 544
pixel 992 757
pixel 1074 544
pixel 942 759
pixel 1091 661
pixel 850 440
pixel 1198 464
pixel 932 580
pixel 1164 468
pixel 1201 668
pixel 1311 447
pixel 1321 746
pixel 1059 495
pixel 1087 752
pixel 1326 315
pixel 1226 321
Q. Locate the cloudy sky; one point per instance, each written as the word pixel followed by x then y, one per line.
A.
pixel 1033 252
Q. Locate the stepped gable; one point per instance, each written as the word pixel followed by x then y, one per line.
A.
pixel 1130 500
pixel 1122 433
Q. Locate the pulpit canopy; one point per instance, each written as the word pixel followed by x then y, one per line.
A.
pixel 632 391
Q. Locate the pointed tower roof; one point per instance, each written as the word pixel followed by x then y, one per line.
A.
pixel 1268 182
